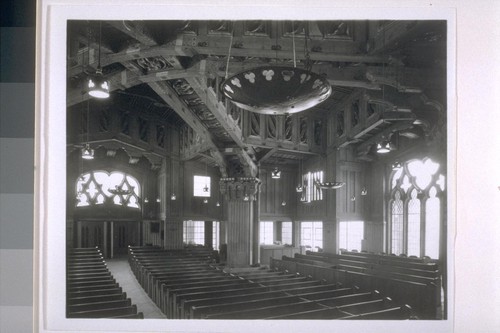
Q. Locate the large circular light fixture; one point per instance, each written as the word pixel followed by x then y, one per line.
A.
pixel 276 90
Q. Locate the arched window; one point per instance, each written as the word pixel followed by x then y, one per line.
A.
pixel 415 208
pixel 97 187
pixel 397 223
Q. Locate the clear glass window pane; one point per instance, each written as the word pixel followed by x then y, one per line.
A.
pixel 414 225
pixel 286 233
pixel 266 232
pixel 194 232
pixel 215 235
pixel 432 223
pixel 201 186
pixel 397 225
pixel 311 235
pixel 351 234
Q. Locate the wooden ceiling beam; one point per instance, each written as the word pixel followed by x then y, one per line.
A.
pixel 172 49
pixel 135 29
pixel 268 155
pixel 219 111
pixel 169 95
pixel 384 134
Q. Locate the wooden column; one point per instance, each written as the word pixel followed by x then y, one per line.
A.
pixel 173 235
pixel 208 233
pixel 240 194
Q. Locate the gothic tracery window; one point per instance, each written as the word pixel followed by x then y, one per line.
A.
pixel 97 187
pixel 415 208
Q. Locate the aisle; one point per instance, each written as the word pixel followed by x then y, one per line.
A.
pixel 120 269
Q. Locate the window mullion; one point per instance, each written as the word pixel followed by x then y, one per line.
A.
pixel 423 218
pixel 406 203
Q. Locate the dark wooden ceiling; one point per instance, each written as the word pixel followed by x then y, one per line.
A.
pixel 164 67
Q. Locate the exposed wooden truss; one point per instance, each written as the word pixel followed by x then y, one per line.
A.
pixel 354 56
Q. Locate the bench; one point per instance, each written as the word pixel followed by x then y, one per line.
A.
pixel 246 303
pixel 91 290
pixel 190 308
pixel 96 298
pixel 422 295
pixel 105 313
pixel 107 304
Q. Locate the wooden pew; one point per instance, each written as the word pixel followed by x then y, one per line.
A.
pixel 108 304
pixel 91 290
pixel 172 297
pixel 191 308
pixel 105 313
pixel 395 313
pixel 95 292
pixel 96 298
pixel 339 311
pixel 246 303
pixel 419 287
pixel 268 311
pixel 174 305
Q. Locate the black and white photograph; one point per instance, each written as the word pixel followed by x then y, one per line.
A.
pixel 213 171
pixel 256 169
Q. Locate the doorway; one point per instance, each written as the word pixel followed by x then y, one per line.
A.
pixel 112 237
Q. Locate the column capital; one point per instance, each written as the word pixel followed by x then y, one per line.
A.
pixel 240 188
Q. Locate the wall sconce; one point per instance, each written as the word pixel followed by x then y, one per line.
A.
pixel 146 200
pixel 173 197
pixel 246 197
pixel 364 191
pixel 353 198
pixel 283 203
pixel 158 200
pixel 217 204
pixel 299 189
pixel 276 174
pixel 205 200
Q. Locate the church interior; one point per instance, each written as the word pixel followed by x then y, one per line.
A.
pixel 256 169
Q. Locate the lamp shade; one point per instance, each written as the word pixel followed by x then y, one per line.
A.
pixel 276 174
pixel 87 152
pixel 384 147
pixel 329 185
pixel 98 85
pixel 276 90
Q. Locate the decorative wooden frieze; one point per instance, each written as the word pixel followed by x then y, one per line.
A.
pixel 151 64
pixel 240 189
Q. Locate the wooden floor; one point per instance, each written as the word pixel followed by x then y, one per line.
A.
pixel 120 269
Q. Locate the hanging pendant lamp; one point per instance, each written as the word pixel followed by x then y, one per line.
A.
pixel 87 152
pixel 276 173
pixel 98 86
pixel 277 90
pixel 300 187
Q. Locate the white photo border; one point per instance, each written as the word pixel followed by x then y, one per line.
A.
pixel 50 147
